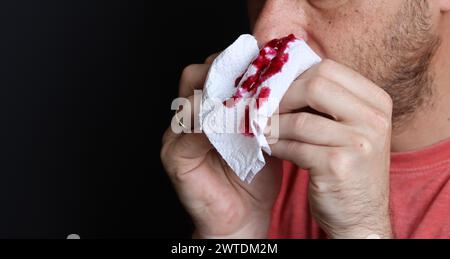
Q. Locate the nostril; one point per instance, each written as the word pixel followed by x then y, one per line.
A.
pixel 301 34
pixel 264 38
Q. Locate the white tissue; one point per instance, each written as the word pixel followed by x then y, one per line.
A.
pixel 220 123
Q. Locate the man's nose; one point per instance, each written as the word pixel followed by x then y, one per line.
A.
pixel 280 18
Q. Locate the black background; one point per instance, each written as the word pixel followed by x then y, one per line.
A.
pixel 85 94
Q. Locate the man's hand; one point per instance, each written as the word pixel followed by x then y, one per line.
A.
pixel 220 205
pixel 347 151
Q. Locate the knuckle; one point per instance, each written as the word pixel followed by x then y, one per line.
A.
pixel 315 86
pixel 326 66
pixel 339 164
pixel 300 120
pixel 381 122
pixel 387 102
pixel 291 147
pixel 362 144
pixel 177 176
pixel 175 172
pixel 188 72
pixel 210 59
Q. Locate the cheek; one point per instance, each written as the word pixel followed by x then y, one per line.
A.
pixel 341 36
pixel 332 39
pixel 328 31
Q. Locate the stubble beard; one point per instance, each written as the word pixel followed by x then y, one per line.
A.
pixel 400 60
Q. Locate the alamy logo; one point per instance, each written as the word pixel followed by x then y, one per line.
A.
pixel 232 116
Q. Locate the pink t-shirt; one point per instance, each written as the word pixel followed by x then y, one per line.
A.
pixel 419 201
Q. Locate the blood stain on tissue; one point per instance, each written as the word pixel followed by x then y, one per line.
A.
pixel 238 80
pixel 247 129
pixel 263 96
pixel 270 61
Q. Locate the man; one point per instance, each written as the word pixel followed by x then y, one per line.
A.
pixel 369 157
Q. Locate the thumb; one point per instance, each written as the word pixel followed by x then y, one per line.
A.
pixel 183 153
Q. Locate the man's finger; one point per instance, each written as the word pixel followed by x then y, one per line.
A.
pixel 191 146
pixel 305 155
pixel 354 82
pixel 211 58
pixel 314 129
pixel 325 96
pixel 193 78
pixel 169 136
pixel 184 152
